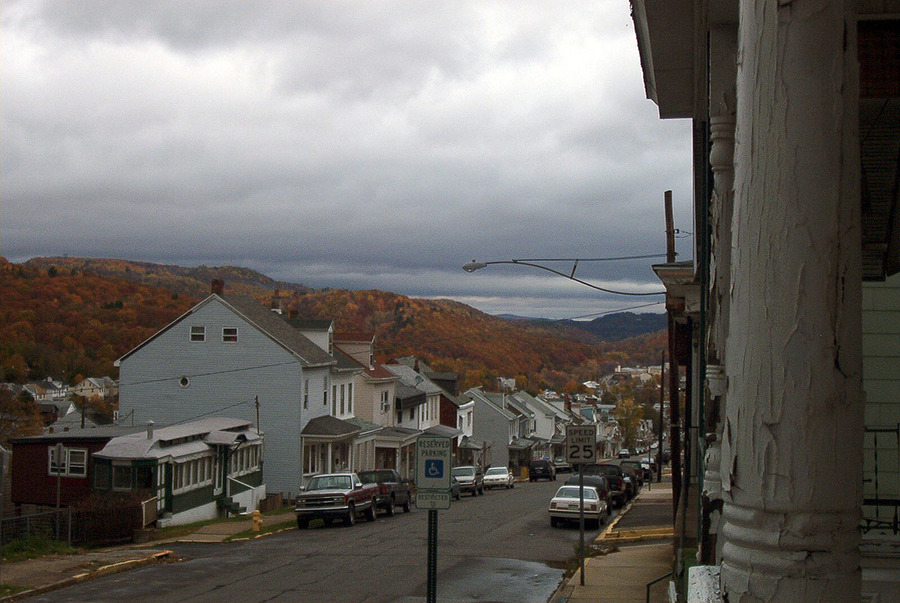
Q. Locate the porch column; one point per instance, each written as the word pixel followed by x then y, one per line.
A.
pixel 792 439
pixel 722 67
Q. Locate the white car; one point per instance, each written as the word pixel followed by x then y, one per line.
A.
pixel 498 477
pixel 564 506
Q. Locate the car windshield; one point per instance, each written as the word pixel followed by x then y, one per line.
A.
pixel 572 492
pixel 462 471
pixel 329 482
pixel 496 471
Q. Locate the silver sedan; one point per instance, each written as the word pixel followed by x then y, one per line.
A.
pixel 499 477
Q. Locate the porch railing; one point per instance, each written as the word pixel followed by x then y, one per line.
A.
pixel 881 479
pixel 148 511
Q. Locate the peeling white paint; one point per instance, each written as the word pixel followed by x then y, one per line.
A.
pixel 791 445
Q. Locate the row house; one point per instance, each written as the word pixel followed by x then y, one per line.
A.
pixel 231 356
pixel 90 387
pixel 191 472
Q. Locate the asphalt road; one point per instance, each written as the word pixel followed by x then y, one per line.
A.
pixel 496 547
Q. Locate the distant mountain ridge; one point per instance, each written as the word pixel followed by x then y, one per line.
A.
pixel 448 335
pixel 191 281
pixel 612 327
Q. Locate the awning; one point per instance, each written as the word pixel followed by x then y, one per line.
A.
pixel 443 430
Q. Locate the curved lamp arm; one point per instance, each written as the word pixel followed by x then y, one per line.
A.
pixel 473 266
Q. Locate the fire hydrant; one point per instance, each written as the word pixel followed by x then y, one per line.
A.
pixel 257 520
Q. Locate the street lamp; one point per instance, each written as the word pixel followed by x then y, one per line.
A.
pixel 475 265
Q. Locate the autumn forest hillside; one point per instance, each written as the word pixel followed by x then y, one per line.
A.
pixel 74 316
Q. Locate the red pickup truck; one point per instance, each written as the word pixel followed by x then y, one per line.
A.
pixel 341 495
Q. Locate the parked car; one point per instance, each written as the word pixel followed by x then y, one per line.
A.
pixel 470 477
pixel 392 490
pixel 624 453
pixel 336 495
pixel 541 469
pixel 566 506
pixel 561 464
pixel 454 488
pixel 641 468
pixel 598 482
pixel 614 477
pixel 498 477
pixel 632 480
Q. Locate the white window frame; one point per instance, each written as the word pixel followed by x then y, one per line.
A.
pixel 197 334
pixel 70 463
pixel 66 469
pixel 229 334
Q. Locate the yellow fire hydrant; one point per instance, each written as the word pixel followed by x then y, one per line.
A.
pixel 257 520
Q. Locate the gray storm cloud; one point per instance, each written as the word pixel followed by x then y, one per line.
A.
pixel 344 144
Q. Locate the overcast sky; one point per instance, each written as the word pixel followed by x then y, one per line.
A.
pixel 360 144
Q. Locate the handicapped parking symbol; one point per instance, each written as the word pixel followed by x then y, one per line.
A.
pixel 434 468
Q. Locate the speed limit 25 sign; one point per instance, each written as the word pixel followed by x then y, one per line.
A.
pixel 581 444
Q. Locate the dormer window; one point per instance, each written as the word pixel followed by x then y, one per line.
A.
pixel 229 334
pixel 198 333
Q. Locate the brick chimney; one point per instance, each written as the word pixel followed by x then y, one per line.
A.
pixel 218 286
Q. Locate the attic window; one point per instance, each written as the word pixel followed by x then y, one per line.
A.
pixel 229 334
pixel 198 333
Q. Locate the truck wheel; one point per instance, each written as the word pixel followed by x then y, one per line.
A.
pixel 389 509
pixel 372 512
pixel 350 518
pixel 302 523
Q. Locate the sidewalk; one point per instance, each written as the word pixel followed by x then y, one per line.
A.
pixel 637 548
pixel 52 572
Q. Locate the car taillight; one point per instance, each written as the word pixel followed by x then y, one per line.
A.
pixel 592 507
pixel 553 505
pixel 384 489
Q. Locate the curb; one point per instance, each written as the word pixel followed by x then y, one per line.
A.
pixel 625 536
pixel 106 570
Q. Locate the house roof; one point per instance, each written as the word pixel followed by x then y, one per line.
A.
pixel 408 396
pixel 179 441
pixel 266 321
pixel 103 432
pixel 444 430
pixel 345 362
pixel 330 427
pixel 507 402
pixel 411 378
pixel 365 426
pixel 476 394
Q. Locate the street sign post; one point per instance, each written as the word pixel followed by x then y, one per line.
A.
pixel 434 456
pixel 581 444
pixel 581 449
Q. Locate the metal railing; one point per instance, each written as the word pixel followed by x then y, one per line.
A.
pixel 54 525
pixel 881 478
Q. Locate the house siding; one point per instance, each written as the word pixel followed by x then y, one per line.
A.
pixel 224 379
pixel 881 382
pixel 493 427
pixel 32 483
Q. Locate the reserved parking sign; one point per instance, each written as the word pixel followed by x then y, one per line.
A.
pixel 434 454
